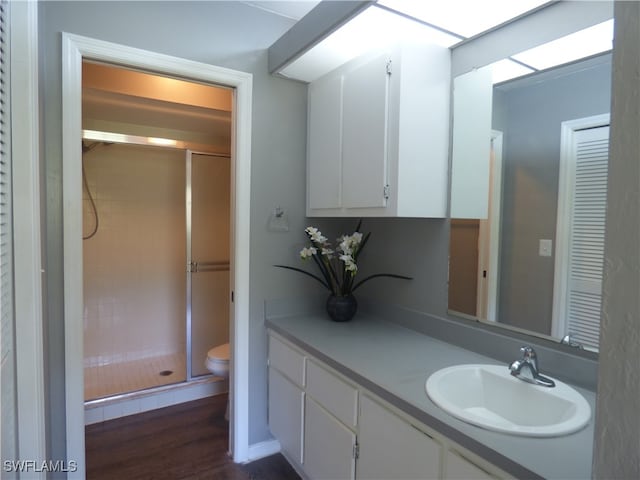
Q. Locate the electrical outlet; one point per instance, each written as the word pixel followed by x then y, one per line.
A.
pixel 545 248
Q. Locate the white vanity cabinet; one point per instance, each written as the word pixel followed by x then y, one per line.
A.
pixel 457 466
pixel 286 397
pixel 331 428
pixel 378 133
pixel 391 447
pixel 328 446
pixel 331 411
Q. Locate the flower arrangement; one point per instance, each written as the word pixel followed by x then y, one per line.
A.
pixel 338 267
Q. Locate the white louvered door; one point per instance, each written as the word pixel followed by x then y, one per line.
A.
pixel 586 214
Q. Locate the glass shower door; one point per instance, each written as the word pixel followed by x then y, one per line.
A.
pixel 208 232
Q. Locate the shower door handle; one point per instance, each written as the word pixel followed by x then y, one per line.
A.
pixel 194 267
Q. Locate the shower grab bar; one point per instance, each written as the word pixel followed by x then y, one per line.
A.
pixel 207 267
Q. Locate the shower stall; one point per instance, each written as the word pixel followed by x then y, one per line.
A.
pixel 156 229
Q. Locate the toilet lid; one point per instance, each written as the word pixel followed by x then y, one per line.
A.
pixel 221 352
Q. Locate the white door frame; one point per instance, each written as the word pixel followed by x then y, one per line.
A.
pixel 27 249
pixel 565 194
pixel 74 49
pixel 489 237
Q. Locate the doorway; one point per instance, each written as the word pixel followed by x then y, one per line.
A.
pixel 474 245
pixel 580 230
pixel 149 200
pixel 75 49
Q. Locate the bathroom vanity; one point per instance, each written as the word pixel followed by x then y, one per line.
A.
pixel 354 393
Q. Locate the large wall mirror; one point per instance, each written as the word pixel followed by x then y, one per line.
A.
pixel 528 191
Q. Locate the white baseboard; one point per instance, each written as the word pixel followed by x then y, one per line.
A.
pixel 263 449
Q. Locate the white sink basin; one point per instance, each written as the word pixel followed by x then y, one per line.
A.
pixel 489 396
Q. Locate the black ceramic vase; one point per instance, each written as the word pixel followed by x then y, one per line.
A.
pixel 341 308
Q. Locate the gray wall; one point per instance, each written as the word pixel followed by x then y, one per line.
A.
pixel 228 34
pixel 416 247
pixel 532 115
pixel 616 453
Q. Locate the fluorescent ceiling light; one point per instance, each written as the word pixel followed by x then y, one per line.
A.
pixel 164 142
pixel 581 44
pixel 111 137
pixel 374 28
pixel 506 69
pixel 464 17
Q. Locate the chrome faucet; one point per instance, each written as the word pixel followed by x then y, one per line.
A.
pixel 526 369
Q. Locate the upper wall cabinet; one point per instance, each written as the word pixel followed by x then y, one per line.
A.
pixel 378 133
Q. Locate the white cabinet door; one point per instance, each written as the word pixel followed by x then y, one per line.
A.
pixel 365 122
pixel 324 149
pixel 471 151
pixel 286 404
pixel 328 445
pixel 289 361
pixel 459 468
pixel 378 135
pixel 392 448
pixel 335 395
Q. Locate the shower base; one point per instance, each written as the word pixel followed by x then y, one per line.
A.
pixel 118 378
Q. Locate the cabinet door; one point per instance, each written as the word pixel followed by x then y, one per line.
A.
pixel 336 396
pixel 364 130
pixel 328 445
pixel 290 362
pixel 457 467
pixel 324 151
pixel 286 404
pixel 392 448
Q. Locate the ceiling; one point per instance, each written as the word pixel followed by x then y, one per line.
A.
pixel 293 9
pixel 438 22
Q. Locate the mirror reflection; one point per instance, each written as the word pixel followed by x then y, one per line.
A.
pixel 528 198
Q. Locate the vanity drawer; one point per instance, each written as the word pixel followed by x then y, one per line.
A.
pixel 334 394
pixel 287 360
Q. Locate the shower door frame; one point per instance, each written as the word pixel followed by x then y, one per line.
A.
pixel 75 48
pixel 191 266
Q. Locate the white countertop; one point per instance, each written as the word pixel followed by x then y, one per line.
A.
pixel 395 362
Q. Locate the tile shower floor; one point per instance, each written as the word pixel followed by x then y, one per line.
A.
pixel 117 378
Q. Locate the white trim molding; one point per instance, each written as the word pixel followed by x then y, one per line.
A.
pixel 565 194
pixel 26 232
pixel 74 49
pixel 263 449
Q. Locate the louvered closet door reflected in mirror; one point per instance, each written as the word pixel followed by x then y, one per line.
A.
pixel 208 233
pixel 582 210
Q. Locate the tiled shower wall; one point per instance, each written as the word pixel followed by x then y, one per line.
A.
pixel 134 266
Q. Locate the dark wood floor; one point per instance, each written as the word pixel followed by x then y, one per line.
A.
pixel 186 441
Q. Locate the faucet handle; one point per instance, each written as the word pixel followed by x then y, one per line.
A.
pixel 528 352
pixel 569 339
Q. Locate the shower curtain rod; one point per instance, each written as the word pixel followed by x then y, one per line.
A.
pixel 110 137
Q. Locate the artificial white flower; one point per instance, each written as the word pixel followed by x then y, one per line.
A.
pixel 349 264
pixel 345 246
pixel 316 235
pixel 307 252
pixel 337 267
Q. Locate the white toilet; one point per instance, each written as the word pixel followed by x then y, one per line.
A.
pixel 218 360
pixel 218 363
